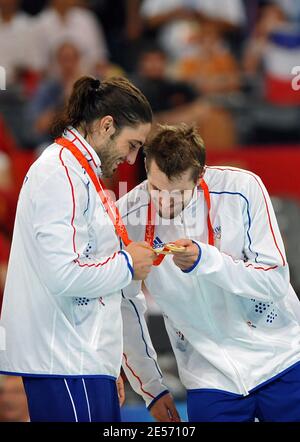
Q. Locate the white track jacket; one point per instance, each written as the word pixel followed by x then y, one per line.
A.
pixel 62 304
pixel 233 320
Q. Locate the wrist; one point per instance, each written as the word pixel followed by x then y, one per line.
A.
pixel 163 393
pixel 198 259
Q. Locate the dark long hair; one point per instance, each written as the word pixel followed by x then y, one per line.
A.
pixel 92 99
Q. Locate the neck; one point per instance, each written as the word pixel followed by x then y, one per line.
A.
pixel 88 138
pixel 84 134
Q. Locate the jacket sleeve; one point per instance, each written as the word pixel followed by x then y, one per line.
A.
pixel 139 357
pixel 264 273
pixel 61 232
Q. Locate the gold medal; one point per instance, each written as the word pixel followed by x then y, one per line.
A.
pixel 167 249
pixel 173 248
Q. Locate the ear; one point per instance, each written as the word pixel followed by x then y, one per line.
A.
pixel 106 126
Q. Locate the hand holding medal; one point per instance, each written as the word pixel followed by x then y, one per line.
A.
pixel 168 248
pixel 186 254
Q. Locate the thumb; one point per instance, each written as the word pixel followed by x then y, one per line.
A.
pixel 183 242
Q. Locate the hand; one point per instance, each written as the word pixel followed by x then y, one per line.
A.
pixel 121 390
pixel 142 256
pixel 164 410
pixel 185 260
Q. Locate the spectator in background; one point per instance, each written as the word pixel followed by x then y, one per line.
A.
pixel 107 70
pixel 175 101
pixel 226 14
pixel 123 28
pixel 174 20
pixel 212 69
pixel 7 214
pixel 63 21
pixel 162 92
pixel 17 48
pixel 13 402
pixel 228 17
pixel 8 199
pixel 54 92
pixel 4 255
pixel 171 20
pixel 271 18
pixel 5 172
pixel 168 98
pixel 270 56
pixel 272 52
pixel 19 58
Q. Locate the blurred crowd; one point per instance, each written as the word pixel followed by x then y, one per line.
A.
pixel 205 60
pixel 226 65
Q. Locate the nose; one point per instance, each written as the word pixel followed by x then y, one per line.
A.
pixel 131 157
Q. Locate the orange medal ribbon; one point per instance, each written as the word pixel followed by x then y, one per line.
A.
pixel 107 202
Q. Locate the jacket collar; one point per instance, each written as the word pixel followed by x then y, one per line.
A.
pixel 89 152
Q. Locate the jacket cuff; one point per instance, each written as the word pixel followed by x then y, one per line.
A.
pixel 128 261
pixel 163 393
pixel 197 260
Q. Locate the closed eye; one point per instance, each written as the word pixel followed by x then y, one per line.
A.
pixel 133 146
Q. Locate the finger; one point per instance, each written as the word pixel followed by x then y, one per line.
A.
pixel 193 249
pixel 162 414
pixel 173 413
pixel 122 398
pixel 183 242
pixel 121 394
pixel 190 251
pixel 121 391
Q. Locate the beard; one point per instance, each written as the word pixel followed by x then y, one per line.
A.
pixel 109 157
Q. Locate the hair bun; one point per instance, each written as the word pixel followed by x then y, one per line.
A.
pixel 95 84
